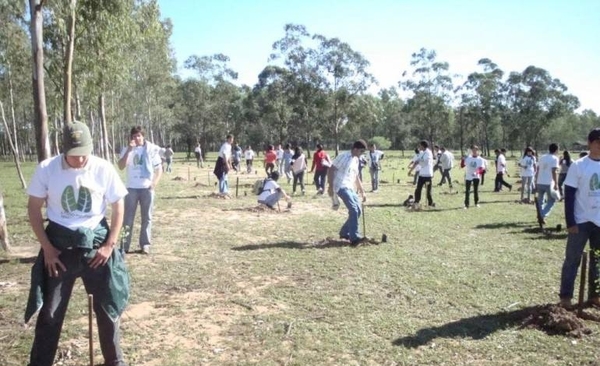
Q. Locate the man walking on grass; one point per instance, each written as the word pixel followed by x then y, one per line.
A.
pixel 223 165
pixel 474 165
pixel 547 180
pixel 425 162
pixel 582 214
pixel 501 171
pixel 375 157
pixel 342 180
pixel 447 163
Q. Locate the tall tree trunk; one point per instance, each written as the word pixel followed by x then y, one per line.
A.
pixel 12 113
pixel 39 95
pixel 3 231
pixel 102 114
pixel 14 150
pixel 55 140
pixel 69 64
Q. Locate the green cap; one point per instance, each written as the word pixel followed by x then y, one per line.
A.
pixel 77 140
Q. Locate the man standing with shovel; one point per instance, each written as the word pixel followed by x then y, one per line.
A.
pixel 582 214
pixel 343 180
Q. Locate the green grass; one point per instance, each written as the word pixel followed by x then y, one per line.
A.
pixel 226 285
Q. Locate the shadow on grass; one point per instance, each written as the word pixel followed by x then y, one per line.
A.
pixel 503 225
pixel 24 260
pixel 295 245
pixel 477 327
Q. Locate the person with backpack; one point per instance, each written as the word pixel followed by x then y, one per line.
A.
pixel 270 192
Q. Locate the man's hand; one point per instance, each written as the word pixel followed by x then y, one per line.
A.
pixel 102 255
pixel 51 261
pixel 132 144
pixel 573 229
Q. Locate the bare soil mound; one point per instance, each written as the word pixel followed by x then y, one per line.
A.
pixel 556 320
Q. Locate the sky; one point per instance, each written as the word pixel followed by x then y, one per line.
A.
pixel 560 36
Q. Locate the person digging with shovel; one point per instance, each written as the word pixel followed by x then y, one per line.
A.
pixel 342 180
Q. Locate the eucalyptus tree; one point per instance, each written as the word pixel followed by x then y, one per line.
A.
pixel 395 119
pixel 274 91
pixel 344 75
pixel 534 99
pixel 431 86
pixel 486 96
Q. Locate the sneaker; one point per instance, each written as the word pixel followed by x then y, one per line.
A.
pixel 335 207
pixel 146 249
pixel 432 205
pixel 477 205
pixel 466 207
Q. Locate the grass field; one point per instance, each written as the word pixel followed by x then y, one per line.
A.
pixel 227 284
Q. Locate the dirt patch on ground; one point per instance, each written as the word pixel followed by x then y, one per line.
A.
pixel 556 320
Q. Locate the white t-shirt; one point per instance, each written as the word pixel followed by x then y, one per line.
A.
pixel 225 151
pixel 268 189
pixel 501 164
pixel 546 164
pixel 279 153
pixel 374 158
pixel 474 165
pixel 584 175
pixel 527 166
pixel 447 160
pixel 299 164
pixel 249 154
pixel 76 197
pixel 346 171
pixel 426 163
pixel 141 163
pixel 415 161
pixel 198 150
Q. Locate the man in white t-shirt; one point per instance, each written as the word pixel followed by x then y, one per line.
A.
pixel 528 165
pixel 198 155
pixel 280 165
pixel 76 189
pixel 474 166
pixel 547 180
pixel 425 162
pixel 272 192
pixel 249 156
pixel 582 215
pixel 143 163
pixel 343 180
pixel 446 164
pixel 375 157
pixel 501 171
pixel 223 165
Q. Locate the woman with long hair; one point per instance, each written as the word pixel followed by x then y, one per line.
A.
pixel 298 169
pixel 528 166
pixel 565 163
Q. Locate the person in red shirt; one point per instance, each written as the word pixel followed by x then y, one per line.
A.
pixel 320 164
pixel 270 158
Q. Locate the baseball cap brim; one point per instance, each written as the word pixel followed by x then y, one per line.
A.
pixel 80 151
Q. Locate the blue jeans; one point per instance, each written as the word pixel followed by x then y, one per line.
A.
pixel 145 197
pixel 374 178
pixel 56 300
pixel 544 190
pixel 223 184
pixel 350 228
pixel 575 246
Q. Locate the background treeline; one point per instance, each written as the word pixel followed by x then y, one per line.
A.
pixel 109 63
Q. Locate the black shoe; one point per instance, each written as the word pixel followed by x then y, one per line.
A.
pixel 358 242
pixel 432 204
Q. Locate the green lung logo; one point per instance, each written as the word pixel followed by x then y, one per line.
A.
pixel 138 160
pixel 83 202
pixel 594 182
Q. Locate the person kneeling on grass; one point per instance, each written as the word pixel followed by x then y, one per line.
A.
pixel 272 192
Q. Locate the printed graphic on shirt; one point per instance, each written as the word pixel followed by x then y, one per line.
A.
pixel 594 185
pixel 138 160
pixel 82 204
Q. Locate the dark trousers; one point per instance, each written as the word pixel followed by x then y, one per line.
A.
pixel 420 183
pixel 446 176
pixel 499 182
pixel 468 183
pixel 298 178
pixel 573 252
pixel 56 299
pixel 320 178
pixel 561 181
